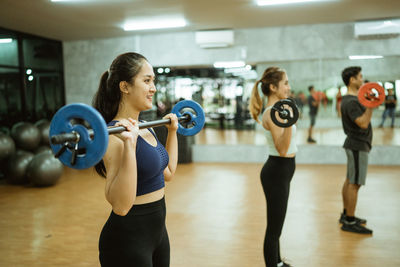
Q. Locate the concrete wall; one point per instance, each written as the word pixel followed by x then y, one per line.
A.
pixel 310 53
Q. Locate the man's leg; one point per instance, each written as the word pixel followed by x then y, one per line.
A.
pixel 384 115
pixel 357 162
pixel 392 114
pixel 312 122
pixel 351 198
pixel 344 195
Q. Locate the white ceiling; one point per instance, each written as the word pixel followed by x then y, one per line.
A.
pixel 89 19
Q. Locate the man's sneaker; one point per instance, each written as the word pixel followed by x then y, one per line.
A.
pixel 358 220
pixel 310 140
pixel 355 228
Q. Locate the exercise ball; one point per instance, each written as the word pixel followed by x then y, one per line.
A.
pixel 44 169
pixel 44 129
pixel 7 146
pixel 41 149
pixel 26 135
pixel 16 167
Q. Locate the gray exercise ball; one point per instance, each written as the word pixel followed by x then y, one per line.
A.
pixel 7 146
pixel 43 149
pixel 44 129
pixel 17 166
pixel 26 135
pixel 44 169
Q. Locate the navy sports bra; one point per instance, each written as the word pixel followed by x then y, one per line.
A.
pixel 150 163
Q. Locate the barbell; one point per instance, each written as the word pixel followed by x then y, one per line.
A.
pixel 371 95
pixel 79 135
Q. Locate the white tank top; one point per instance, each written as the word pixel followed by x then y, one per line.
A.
pixel 271 145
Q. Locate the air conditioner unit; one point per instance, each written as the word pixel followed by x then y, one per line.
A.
pixel 377 27
pixel 214 39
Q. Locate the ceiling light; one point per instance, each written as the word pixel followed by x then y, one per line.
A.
pixel 365 57
pixel 5 40
pixel 284 2
pixel 229 64
pixel 154 23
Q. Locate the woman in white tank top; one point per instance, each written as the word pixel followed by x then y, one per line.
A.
pixel 279 168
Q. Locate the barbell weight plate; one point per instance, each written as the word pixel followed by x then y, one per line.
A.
pixel 196 120
pixel 94 148
pixel 278 109
pixel 371 95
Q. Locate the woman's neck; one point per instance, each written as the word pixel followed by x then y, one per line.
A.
pixel 125 112
pixel 272 99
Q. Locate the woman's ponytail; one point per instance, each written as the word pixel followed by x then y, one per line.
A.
pixel 255 103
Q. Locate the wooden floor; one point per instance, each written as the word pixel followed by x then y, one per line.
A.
pixel 215 217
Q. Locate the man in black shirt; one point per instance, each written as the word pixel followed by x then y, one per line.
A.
pixel 356 121
pixel 313 104
pixel 390 107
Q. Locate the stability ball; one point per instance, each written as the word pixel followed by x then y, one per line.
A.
pixel 44 169
pixel 43 149
pixel 44 128
pixel 7 146
pixel 16 167
pixel 26 135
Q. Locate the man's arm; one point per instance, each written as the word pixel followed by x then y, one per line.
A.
pixel 364 120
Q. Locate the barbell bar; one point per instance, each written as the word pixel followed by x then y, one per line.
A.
pixel 82 145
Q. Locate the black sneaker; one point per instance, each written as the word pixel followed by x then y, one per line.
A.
pixel 358 220
pixel 355 228
pixel 310 140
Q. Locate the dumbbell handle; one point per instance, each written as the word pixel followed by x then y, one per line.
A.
pixel 74 136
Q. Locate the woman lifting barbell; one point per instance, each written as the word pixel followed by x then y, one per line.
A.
pixel 135 166
pixel 278 171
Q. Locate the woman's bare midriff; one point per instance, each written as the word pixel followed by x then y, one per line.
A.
pixel 150 197
pixel 290 155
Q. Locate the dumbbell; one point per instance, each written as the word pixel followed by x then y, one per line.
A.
pixel 79 135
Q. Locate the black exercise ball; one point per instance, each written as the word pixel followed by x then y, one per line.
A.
pixel 43 149
pixel 17 166
pixel 7 146
pixel 44 169
pixel 44 128
pixel 26 135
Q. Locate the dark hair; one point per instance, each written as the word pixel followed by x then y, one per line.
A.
pixel 349 72
pixel 310 88
pixel 272 75
pixel 124 67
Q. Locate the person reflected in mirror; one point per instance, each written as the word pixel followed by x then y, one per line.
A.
pixel 313 104
pixel 390 107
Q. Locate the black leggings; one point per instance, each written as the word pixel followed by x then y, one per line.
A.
pixel 138 239
pixel 276 175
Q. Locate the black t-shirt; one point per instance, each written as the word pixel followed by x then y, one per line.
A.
pixel 390 105
pixel 313 109
pixel 357 138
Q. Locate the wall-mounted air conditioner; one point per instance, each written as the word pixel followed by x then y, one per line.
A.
pixel 214 38
pixel 377 27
